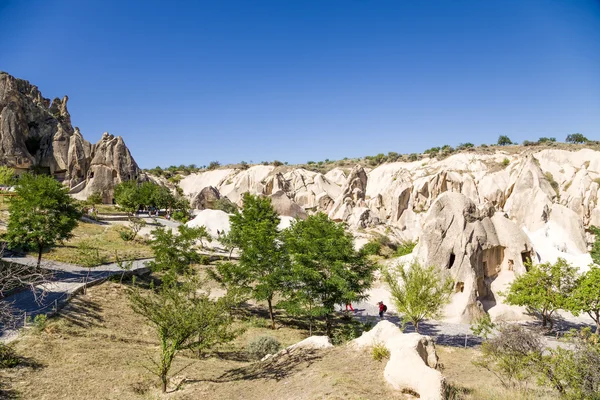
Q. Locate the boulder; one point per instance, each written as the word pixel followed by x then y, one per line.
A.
pixel 413 360
pixel 205 198
pixel 285 206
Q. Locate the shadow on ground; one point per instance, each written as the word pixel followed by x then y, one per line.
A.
pixel 275 368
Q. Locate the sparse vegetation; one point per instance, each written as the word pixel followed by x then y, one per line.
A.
pixel 261 346
pixel 405 248
pixel 379 352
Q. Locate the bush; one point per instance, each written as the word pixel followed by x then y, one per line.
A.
pixel 379 352
pixel 261 346
pixel 574 371
pixel 127 234
pixel 546 140
pixel 277 163
pixel 372 248
pixel 405 248
pixel 224 204
pixel 413 157
pixel 181 216
pixel 505 162
pixel 349 331
pixel 214 165
pixel 39 322
pixel 511 355
pixel 8 357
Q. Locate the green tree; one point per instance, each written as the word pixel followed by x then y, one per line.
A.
pixel 94 198
pixel 175 252
pixel 325 268
pixel 576 138
pixel 504 140
pixel 418 293
pixel 214 165
pixel 595 253
pixel 7 176
pixel 544 289
pixel 41 214
pixel 183 319
pixel 586 296
pixel 573 370
pixel 262 257
pixel 127 196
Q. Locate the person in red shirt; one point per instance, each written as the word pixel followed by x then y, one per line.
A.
pixel 382 309
pixel 349 305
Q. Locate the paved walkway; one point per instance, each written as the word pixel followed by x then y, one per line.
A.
pixel 66 280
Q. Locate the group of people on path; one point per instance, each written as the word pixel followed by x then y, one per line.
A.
pixel 382 308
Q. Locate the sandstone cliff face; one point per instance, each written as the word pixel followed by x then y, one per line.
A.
pixel 488 213
pixel 37 133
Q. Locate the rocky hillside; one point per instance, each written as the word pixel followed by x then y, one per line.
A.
pixel 37 133
pixel 480 216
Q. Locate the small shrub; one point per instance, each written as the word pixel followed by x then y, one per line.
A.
pixel 204 260
pixel 214 165
pixel 350 331
pixel 181 216
pixel 413 157
pixel 261 346
pixel 505 162
pixel 277 163
pixel 372 248
pixel 379 352
pixel 405 248
pixel 484 146
pixel 8 357
pixel 553 183
pixel 224 204
pixel 511 355
pixel 126 234
pixel 40 322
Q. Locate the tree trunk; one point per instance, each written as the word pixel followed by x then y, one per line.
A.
pixel 163 379
pixel 544 320
pixel 328 325
pixel 416 323
pixel 270 301
pixel 39 260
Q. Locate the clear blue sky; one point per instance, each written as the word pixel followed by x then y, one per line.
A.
pixel 192 82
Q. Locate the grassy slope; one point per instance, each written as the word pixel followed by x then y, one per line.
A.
pixel 104 237
pixel 98 347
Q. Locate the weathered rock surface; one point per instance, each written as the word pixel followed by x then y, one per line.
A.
pixel 492 211
pixel 413 360
pixel 37 133
pixel 473 246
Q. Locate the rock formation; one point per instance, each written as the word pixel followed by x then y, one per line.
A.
pixel 413 360
pixel 36 133
pixel 489 212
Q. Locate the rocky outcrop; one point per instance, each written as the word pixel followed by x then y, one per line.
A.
pixel 473 245
pixel 206 198
pixel 37 133
pixel 413 360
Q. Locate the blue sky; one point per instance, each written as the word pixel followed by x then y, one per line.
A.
pixel 191 82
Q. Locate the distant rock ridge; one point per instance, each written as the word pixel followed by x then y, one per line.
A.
pixel 36 133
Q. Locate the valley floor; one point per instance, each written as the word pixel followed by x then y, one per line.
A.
pixel 99 349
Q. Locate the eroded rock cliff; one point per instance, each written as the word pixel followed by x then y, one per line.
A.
pixel 36 133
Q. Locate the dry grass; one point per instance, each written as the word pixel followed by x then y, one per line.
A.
pixel 476 383
pixel 97 349
pixel 104 237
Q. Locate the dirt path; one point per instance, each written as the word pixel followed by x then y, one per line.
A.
pixel 67 279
